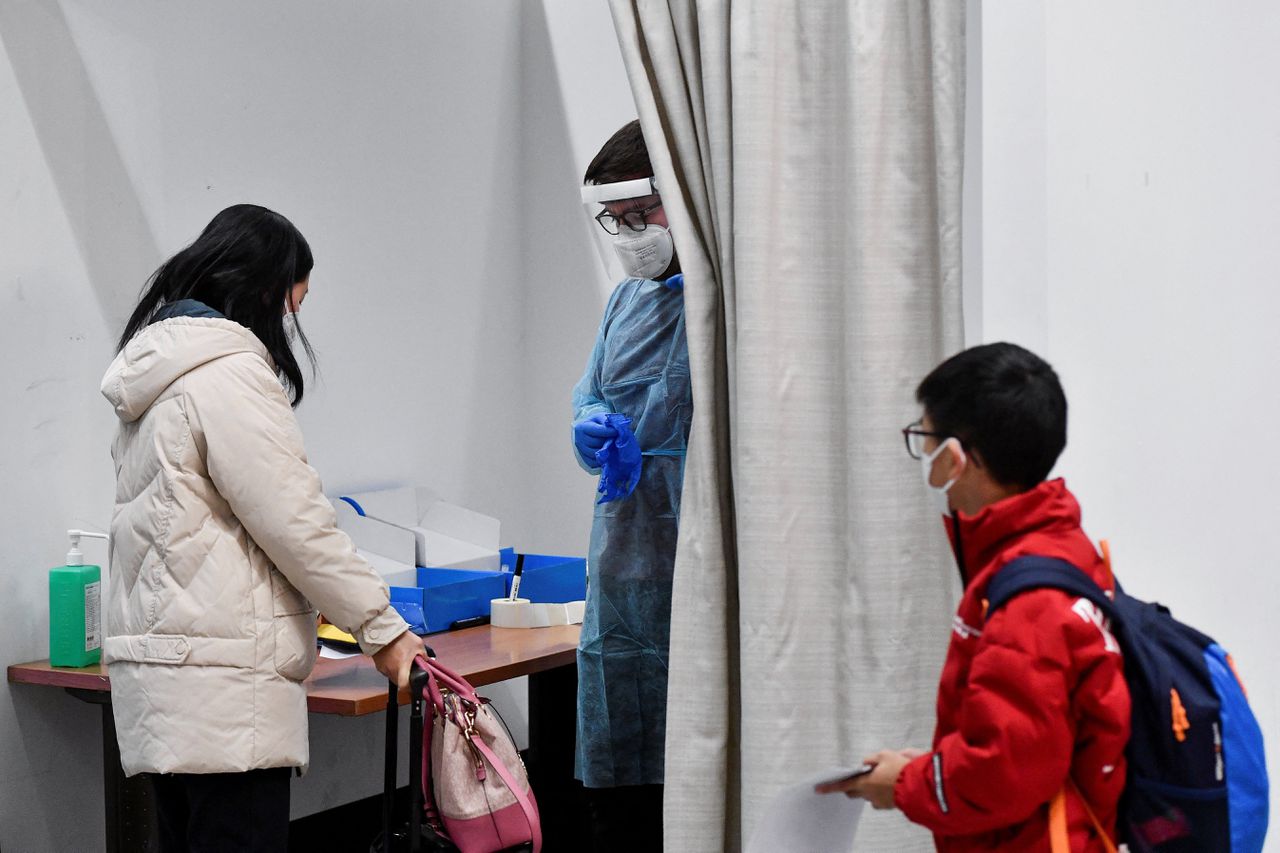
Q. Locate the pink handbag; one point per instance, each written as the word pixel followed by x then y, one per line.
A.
pixel 475 788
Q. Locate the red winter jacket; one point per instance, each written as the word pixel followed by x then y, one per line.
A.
pixel 1026 698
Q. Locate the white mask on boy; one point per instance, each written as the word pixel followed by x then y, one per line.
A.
pixel 939 493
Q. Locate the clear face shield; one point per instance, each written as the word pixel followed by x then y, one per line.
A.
pixel 627 241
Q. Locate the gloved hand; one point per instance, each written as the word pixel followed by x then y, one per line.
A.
pixel 676 282
pixel 590 435
pixel 620 462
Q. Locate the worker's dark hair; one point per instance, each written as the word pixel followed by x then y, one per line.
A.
pixel 243 265
pixel 623 157
pixel 1003 402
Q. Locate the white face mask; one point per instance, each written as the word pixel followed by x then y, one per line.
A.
pixel 644 254
pixel 939 493
pixel 291 326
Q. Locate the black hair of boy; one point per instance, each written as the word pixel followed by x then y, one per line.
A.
pixel 1003 403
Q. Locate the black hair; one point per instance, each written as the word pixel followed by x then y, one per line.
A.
pixel 1005 403
pixel 623 157
pixel 244 266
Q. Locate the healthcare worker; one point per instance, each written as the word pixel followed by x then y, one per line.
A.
pixel 639 370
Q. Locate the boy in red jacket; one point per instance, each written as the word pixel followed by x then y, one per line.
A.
pixel 1033 711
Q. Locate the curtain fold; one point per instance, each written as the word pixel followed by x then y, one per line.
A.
pixel 809 152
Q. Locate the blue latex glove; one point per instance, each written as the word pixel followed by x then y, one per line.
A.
pixel 619 461
pixel 676 282
pixel 590 435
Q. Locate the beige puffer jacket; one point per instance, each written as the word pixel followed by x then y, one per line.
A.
pixel 220 536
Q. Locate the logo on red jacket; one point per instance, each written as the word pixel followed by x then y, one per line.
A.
pixel 1089 612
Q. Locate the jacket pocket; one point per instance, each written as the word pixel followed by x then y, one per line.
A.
pixel 293 626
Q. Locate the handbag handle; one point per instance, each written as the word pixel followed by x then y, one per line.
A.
pixel 423 682
pixel 450 679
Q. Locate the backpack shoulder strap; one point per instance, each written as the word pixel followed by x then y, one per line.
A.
pixel 1026 573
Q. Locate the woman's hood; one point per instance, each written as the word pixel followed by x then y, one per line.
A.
pixel 163 352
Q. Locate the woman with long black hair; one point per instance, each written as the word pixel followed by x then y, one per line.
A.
pixel 222 540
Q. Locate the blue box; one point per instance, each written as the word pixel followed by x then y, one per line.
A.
pixel 548 579
pixel 444 596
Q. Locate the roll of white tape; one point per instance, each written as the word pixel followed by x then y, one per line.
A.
pixel 505 613
pixel 522 613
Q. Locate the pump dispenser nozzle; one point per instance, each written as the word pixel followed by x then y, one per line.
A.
pixel 75 557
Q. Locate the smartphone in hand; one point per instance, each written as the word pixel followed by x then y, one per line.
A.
pixel 838 783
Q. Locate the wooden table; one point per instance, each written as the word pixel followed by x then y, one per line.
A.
pixel 352 687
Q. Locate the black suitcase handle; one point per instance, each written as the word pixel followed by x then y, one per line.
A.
pixel 389 764
pixel 417 684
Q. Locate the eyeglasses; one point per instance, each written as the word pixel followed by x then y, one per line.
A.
pixel 914 437
pixel 636 220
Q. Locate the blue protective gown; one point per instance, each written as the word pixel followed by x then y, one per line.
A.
pixel 640 368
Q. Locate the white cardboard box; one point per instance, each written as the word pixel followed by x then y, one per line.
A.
pixel 412 526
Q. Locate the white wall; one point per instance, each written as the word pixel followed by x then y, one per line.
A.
pixel 575 97
pixel 53 338
pixel 1129 233
pixel 1010 217
pixel 430 153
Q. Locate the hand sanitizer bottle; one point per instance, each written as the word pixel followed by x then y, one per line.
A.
pixel 75 611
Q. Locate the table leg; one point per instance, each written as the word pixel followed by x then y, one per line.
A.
pixel 112 779
pixel 128 804
pixel 553 701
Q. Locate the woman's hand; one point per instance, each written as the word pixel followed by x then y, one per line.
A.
pixel 395 659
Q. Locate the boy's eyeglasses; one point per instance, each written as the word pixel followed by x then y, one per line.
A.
pixel 914 436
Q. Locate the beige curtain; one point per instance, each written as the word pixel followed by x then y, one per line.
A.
pixel 810 155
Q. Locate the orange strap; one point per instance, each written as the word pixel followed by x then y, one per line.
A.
pixel 1059 840
pixel 1106 561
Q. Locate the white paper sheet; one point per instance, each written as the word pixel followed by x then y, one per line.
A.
pixel 799 821
pixel 334 654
